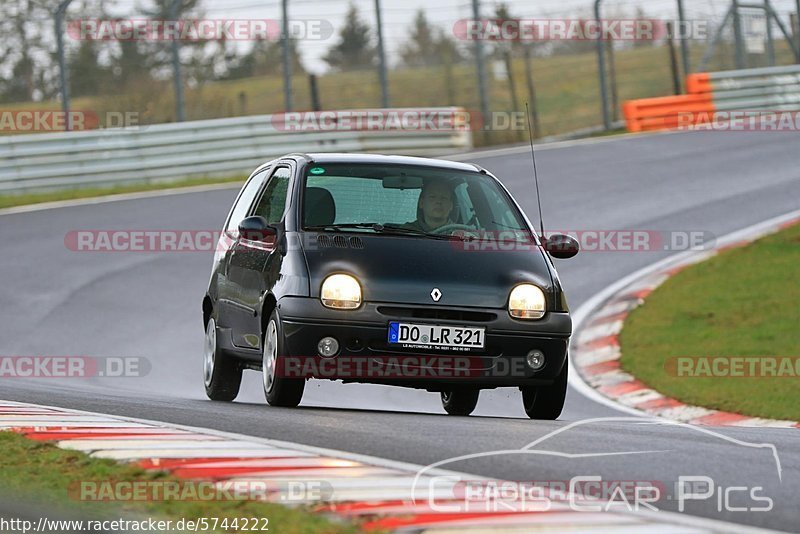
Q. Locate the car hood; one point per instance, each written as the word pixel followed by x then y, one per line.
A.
pixel 399 269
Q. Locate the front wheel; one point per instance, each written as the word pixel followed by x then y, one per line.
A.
pixel 278 389
pixel 546 402
pixel 460 402
pixel 222 374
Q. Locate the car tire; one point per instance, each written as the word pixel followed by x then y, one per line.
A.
pixel 278 390
pixel 461 401
pixel 546 402
pixel 222 374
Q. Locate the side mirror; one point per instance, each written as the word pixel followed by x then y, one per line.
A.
pixel 256 228
pixel 560 246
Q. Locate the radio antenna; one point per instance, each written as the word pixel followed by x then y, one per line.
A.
pixel 535 177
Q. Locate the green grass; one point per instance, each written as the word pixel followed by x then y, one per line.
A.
pixel 567 91
pixel 743 302
pixel 40 473
pixel 8 201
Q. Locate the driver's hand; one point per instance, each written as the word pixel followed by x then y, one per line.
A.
pixel 463 233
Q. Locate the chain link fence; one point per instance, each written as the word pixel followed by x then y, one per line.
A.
pixel 432 59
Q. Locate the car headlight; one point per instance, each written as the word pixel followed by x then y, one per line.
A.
pixel 341 291
pixel 526 302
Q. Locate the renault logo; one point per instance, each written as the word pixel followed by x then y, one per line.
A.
pixel 436 294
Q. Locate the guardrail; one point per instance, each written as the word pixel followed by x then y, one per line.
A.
pixel 204 148
pixel 763 89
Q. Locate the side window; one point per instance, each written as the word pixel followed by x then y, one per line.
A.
pixel 273 202
pixel 501 212
pixel 244 201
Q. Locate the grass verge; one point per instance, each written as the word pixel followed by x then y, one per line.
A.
pixel 567 91
pixel 9 201
pixel 41 474
pixel 743 302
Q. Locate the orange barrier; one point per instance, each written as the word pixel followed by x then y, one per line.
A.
pixel 661 113
pixel 666 112
pixel 698 83
pixel 752 91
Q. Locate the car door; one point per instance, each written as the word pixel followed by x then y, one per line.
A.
pixel 227 289
pixel 254 265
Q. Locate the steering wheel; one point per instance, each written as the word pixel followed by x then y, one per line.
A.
pixel 449 228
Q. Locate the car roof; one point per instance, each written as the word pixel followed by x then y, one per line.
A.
pixel 339 157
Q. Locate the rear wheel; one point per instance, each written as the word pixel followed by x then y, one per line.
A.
pixel 222 374
pixel 278 389
pixel 546 402
pixel 460 402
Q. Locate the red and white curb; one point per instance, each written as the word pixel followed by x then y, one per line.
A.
pixel 375 493
pixel 596 352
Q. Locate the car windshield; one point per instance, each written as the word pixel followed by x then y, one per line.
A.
pixel 408 200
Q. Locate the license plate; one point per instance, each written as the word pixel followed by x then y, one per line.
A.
pixel 436 336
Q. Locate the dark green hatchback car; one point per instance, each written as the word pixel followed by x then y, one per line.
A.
pixel 391 270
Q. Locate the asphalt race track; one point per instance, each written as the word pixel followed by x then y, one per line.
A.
pixel 59 302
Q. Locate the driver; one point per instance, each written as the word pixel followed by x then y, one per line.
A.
pixel 435 204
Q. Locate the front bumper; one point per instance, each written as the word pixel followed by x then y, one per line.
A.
pixel 366 356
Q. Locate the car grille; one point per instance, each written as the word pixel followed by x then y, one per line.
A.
pixel 447 314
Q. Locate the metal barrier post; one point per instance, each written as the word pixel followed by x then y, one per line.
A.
pixel 612 79
pixel 739 36
pixel 794 21
pixel 770 36
pixel 784 31
pixel 601 66
pixel 381 57
pixel 683 38
pixel 176 67
pixel 288 102
pixel 314 90
pixel 673 59
pixel 481 66
pixel 511 85
pixel 62 62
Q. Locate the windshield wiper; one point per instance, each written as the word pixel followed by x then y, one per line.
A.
pixel 344 226
pixel 378 229
pixel 413 231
